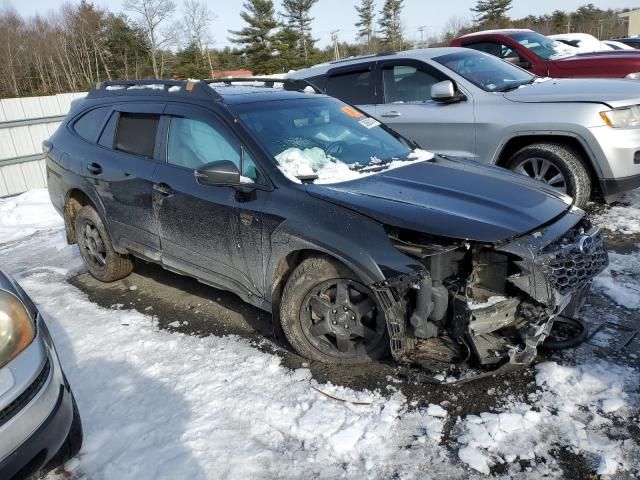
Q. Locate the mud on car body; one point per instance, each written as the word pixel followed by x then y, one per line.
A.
pixel 306 207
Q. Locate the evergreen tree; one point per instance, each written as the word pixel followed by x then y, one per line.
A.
pixel 128 48
pixel 257 37
pixel 559 21
pixel 297 13
pixel 492 12
pixel 287 48
pixel 366 17
pixel 189 62
pixel 390 25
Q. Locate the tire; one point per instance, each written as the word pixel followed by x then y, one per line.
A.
pixel 96 250
pixel 566 160
pixel 72 444
pixel 328 315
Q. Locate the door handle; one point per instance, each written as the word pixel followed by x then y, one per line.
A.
pixel 163 189
pixel 94 168
pixel 391 114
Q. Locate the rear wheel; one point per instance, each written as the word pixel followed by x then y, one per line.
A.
pixel 96 250
pixel 557 165
pixel 328 315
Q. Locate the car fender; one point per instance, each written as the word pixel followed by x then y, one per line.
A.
pixel 374 264
pixel 591 155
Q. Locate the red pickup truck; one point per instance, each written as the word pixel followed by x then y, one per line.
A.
pixel 546 57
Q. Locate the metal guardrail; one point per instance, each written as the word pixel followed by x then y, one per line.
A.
pixel 24 124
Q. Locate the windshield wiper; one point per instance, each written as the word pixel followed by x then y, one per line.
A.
pixel 508 88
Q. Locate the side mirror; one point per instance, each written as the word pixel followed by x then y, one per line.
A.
pixel 222 172
pixel 445 92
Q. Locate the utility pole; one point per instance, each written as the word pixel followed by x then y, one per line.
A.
pixel 600 28
pixel 336 49
pixel 421 30
pixel 568 25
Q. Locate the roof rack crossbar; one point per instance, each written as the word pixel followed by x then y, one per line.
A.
pixel 295 85
pixel 148 87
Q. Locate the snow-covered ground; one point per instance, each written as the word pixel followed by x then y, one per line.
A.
pixel 162 405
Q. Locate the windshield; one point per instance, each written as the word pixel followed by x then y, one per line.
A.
pixel 542 46
pixel 486 71
pixel 322 139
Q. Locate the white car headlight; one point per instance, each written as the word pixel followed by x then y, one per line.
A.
pixel 633 76
pixel 628 117
pixel 17 329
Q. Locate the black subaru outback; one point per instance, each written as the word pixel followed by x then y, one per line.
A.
pixel 355 239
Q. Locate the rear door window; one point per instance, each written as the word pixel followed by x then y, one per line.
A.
pixel 136 133
pixel 89 125
pixel 356 88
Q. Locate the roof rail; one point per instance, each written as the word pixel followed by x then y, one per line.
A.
pixel 360 57
pixel 191 88
pixel 289 84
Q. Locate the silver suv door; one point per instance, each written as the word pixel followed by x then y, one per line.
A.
pixel 405 105
pixel 355 84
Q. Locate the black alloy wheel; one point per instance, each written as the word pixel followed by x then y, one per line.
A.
pixel 340 319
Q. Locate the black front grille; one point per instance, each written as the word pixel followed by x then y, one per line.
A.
pixel 571 268
pixel 25 397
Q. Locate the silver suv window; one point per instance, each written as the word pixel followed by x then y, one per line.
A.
pixel 405 83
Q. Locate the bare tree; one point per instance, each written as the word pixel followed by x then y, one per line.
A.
pixel 454 26
pixel 197 19
pixel 153 16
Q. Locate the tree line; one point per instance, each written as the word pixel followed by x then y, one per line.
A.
pixel 82 44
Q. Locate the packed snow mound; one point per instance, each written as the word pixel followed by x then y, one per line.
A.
pixel 623 217
pixel 621 280
pixel 308 162
pixel 576 404
pixel 26 214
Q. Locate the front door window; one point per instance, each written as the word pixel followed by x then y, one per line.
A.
pixel 405 83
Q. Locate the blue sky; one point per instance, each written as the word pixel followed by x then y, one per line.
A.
pixel 341 15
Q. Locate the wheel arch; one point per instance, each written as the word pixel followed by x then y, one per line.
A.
pixel 517 142
pixel 75 199
pixel 288 263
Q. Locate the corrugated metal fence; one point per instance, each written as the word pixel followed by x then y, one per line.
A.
pixel 24 124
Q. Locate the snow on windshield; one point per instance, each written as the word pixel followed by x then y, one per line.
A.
pixel 562 50
pixel 585 43
pixel 311 162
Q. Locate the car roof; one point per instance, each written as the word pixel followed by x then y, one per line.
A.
pixel 417 54
pixel 499 31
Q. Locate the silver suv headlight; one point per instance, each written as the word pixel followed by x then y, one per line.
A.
pixel 17 329
pixel 627 117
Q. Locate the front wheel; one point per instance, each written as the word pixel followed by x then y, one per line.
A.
pixel 328 315
pixel 559 166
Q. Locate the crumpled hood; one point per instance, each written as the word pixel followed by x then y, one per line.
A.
pixel 613 92
pixel 459 199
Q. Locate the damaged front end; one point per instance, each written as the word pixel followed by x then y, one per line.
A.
pixel 488 306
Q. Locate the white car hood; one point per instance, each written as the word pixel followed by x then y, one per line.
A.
pixel 612 92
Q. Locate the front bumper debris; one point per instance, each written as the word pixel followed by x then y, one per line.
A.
pixel 545 281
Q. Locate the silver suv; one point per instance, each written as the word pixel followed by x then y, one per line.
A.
pixel 581 136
